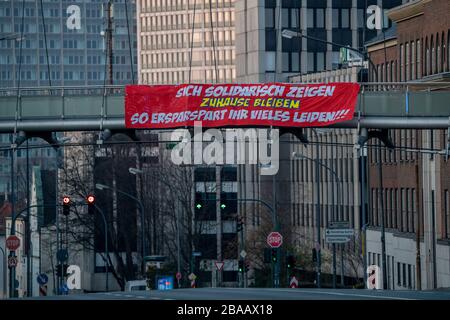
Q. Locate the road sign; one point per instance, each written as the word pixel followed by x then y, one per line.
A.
pixel 293 283
pixel 275 239
pixel 243 254
pixel 219 265
pixel 62 255
pixel 42 279
pixel 339 232
pixel 178 276
pixel 43 290
pixel 196 254
pixel 339 225
pixel 12 262
pixel 165 283
pixel 64 289
pixel 192 276
pixel 332 239
pixel 12 243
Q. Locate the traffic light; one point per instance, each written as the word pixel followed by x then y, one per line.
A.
pixel 66 205
pixel 198 206
pixel 247 266
pixel 274 255
pixel 223 206
pixel 61 270
pixel 241 265
pixel 90 200
pixel 290 261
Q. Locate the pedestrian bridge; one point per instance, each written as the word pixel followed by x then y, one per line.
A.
pixel 94 108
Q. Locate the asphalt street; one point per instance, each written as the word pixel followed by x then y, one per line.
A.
pixel 259 294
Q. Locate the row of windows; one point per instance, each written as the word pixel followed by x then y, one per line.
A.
pixel 417 59
pixel 291 61
pixel 177 5
pixel 185 21
pixel 304 214
pixel 304 170
pixel 403 140
pixel 399 209
pixel 316 18
pixel 197 76
pixel 66 75
pixel 446 214
pixel 184 40
pixel 399 273
pixel 180 59
pixel 69 44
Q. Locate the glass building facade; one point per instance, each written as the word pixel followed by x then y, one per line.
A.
pixel 75 42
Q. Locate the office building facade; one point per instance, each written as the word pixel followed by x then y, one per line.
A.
pixel 416 188
pixel 183 41
pixel 73 38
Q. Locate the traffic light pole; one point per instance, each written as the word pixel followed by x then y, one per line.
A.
pixel 274 221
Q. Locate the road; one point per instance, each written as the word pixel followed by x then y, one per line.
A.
pixel 260 294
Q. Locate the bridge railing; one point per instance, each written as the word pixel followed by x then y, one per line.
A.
pixel 62 91
pixel 393 99
pixel 120 89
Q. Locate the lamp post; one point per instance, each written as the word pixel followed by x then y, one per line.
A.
pixel 100 186
pixel 339 198
pixel 106 247
pixel 289 34
pixel 274 221
pixel 137 171
pixel 4 271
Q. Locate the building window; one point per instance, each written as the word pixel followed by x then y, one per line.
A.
pixel 419 60
pixel 409 277
pixel 402 63
pixel 270 17
pixel 446 215
pixel 404 274
pixel 407 61
pixel 427 59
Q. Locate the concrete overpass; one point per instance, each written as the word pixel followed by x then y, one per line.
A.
pixel 94 108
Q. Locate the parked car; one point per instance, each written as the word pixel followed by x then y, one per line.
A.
pixel 136 285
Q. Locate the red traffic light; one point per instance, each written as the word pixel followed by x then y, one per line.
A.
pixel 90 199
pixel 66 200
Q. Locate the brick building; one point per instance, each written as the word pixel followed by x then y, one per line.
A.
pixel 416 185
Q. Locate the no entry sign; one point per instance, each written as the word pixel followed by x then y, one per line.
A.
pixel 275 239
pixel 12 243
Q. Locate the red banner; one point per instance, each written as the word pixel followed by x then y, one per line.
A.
pixel 236 105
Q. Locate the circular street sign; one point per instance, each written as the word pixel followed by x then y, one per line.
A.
pixel 178 276
pixel 275 239
pixel 12 262
pixel 12 243
pixel 42 279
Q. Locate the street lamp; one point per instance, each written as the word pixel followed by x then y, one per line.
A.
pixel 100 186
pixel 137 171
pixel 340 200
pixel 289 34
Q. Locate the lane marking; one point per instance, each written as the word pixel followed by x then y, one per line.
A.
pixel 349 294
pixel 332 293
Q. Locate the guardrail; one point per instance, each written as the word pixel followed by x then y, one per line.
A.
pixel 120 89
pixel 59 108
